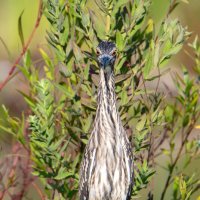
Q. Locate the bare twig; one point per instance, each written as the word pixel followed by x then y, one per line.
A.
pixel 172 6
pixel 2 85
pixel 39 191
pixel 159 143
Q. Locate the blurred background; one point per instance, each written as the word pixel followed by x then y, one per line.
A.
pixel 10 48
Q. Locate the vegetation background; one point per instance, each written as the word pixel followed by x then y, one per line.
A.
pixel 40 160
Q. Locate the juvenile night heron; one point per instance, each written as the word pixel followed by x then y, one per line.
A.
pixel 107 166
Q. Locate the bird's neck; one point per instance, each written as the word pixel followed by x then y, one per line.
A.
pixel 107 121
pixel 106 92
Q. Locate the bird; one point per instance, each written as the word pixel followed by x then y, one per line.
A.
pixel 106 171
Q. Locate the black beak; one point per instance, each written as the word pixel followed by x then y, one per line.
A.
pixel 105 60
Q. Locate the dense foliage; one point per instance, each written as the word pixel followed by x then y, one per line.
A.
pixel 61 98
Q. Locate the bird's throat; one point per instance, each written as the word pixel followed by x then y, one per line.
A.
pixel 106 90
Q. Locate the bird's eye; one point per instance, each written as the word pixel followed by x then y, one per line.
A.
pixel 98 52
pixel 114 53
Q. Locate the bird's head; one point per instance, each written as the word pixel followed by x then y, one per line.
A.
pixel 106 54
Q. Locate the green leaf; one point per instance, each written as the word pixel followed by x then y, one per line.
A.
pixel 169 113
pixel 183 188
pixel 28 99
pixel 77 52
pixel 186 119
pixel 20 29
pixel 119 41
pixel 27 59
pixel 66 90
pixel 6 47
pixel 140 125
pixel 148 65
pixel 62 174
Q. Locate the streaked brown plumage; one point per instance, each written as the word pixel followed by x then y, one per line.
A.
pixel 107 166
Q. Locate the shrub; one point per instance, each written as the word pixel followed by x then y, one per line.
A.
pixel 61 98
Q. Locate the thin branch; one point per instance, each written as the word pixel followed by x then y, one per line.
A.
pixel 159 143
pixel 39 191
pixel 2 85
pixel 172 6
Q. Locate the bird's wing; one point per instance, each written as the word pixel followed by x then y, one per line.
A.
pixel 83 183
pixel 85 173
pixel 129 155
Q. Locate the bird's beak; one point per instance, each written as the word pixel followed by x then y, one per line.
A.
pixel 105 61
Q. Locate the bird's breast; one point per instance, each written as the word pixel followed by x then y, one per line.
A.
pixel 109 176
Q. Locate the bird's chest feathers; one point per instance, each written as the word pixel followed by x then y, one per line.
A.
pixel 107 134
pixel 108 170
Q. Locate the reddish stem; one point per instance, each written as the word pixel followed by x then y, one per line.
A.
pixel 2 85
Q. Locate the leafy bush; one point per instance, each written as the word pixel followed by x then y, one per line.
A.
pixel 61 98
